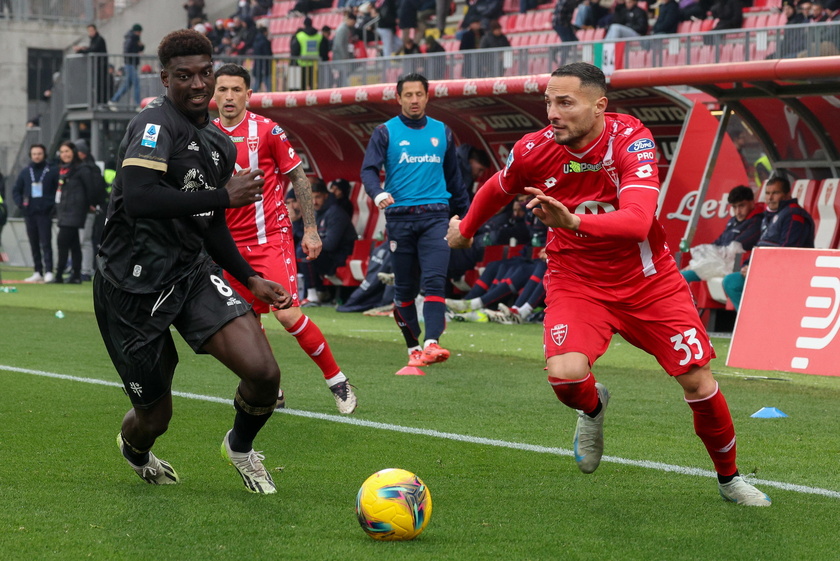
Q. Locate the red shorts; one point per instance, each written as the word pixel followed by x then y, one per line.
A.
pixel 656 314
pixel 273 261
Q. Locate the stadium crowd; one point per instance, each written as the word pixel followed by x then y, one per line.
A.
pixel 358 29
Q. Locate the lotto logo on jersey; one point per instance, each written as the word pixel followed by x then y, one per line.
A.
pixel 150 136
pixel 641 145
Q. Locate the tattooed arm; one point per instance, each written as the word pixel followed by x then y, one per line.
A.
pixel 311 242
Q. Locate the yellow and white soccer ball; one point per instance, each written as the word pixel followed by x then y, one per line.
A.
pixel 393 504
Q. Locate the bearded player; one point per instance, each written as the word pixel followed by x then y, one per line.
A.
pixel 263 231
pixel 609 268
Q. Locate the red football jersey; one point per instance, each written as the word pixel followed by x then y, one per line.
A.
pixel 261 143
pixel 591 182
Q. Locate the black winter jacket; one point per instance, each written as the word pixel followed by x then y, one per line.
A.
pixel 78 193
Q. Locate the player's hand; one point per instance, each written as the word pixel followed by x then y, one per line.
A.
pixel 552 212
pixel 454 237
pixel 386 202
pixel 311 243
pixel 245 188
pixel 270 292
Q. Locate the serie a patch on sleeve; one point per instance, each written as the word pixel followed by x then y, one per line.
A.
pixel 150 135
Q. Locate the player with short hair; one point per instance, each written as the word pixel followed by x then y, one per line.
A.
pixel 609 268
pixel 422 183
pixel 165 223
pixel 263 231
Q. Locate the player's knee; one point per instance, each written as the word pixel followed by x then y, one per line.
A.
pixel 263 374
pixel 560 368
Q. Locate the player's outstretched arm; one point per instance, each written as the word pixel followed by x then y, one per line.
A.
pixel 311 243
pixel 489 199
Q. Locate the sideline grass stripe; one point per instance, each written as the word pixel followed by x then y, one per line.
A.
pixel 453 436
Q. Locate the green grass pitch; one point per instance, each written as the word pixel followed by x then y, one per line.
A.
pixel 483 430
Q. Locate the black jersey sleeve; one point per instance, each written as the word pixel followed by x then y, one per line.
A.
pixel 221 247
pixel 145 197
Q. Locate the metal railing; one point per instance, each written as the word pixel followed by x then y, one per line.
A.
pixel 62 11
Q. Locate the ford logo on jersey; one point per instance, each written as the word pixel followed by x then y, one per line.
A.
pixel 640 145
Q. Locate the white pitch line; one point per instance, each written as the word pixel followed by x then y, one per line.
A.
pixel 454 436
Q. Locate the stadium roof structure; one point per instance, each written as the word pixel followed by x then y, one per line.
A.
pixel 800 93
pixel 790 104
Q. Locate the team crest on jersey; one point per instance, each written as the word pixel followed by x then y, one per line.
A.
pixel 253 143
pixel 558 333
pixel 641 145
pixel 150 136
pixel 392 245
pixel 435 142
pixel 276 130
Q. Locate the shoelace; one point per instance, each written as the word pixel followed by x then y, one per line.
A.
pixel 149 471
pixel 254 460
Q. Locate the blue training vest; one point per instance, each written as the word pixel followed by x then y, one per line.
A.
pixel 414 163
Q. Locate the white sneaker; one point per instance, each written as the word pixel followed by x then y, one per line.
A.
pixel 345 399
pixel 510 315
pixel 589 435
pixel 740 492
pixel 155 471
pixel 498 317
pixel 250 467
pixel 49 277
pixel 458 306
pixel 36 277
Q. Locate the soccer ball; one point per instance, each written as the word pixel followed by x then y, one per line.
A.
pixel 393 504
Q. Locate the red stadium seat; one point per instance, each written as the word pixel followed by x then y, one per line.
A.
pixel 526 22
pixel 776 20
pixel 756 21
pixel 542 20
pixel 825 213
pixel 805 191
pixel 353 272
pixel 586 34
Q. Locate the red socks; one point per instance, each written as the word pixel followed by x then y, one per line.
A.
pixel 577 394
pixel 713 424
pixel 311 340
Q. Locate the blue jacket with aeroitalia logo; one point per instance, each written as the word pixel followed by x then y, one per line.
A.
pixel 414 163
